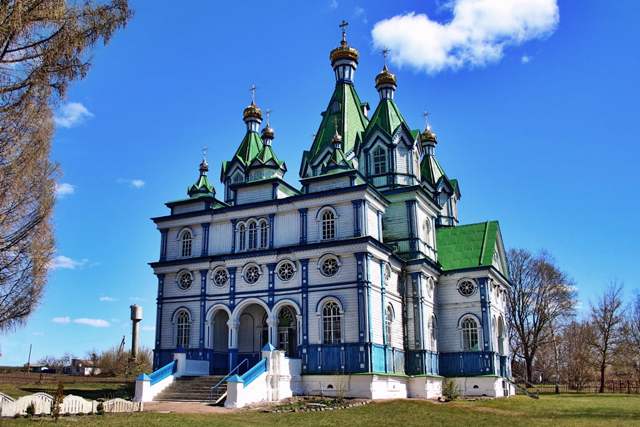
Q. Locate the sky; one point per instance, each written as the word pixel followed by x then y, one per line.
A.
pixel 535 104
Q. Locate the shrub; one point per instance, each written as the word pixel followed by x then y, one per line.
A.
pixel 100 409
pixel 450 390
pixel 57 401
pixel 31 409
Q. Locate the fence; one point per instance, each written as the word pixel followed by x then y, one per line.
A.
pixel 612 386
pixel 43 404
pixel 21 378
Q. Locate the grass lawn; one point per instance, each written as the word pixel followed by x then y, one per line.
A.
pixel 87 390
pixel 549 410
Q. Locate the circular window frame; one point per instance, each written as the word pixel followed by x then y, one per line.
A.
pixel 294 270
pixel 245 270
pixel 326 258
pixel 472 282
pixel 179 276
pixel 215 271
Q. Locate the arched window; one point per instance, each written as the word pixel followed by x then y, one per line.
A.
pixel 331 322
pixel 183 329
pixel 379 161
pixel 469 335
pixel 241 237
pixel 264 234
pixel 187 240
pixel 433 331
pixel 388 322
pixel 328 225
pixel 253 236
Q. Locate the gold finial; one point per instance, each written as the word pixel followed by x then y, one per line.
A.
pixel 427 134
pixel 267 115
pixel 385 53
pixel 204 166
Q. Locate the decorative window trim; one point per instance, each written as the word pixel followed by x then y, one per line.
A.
pixel 463 288
pixel 280 264
pixel 178 324
pixel 185 245
pixel 324 235
pixel 388 321
pixel 179 276
pixel 339 318
pixel 469 333
pixel 216 271
pixel 387 273
pixel 263 233
pixel 379 160
pixel 326 257
pixel 245 269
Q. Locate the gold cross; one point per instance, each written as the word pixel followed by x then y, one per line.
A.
pixel 252 89
pixel 343 26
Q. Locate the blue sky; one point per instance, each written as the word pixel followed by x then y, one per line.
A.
pixel 542 136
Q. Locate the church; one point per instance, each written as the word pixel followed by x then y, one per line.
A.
pixel 362 274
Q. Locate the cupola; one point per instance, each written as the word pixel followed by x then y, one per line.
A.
pixel 344 58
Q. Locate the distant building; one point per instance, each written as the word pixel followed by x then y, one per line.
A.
pixel 363 269
pixel 83 368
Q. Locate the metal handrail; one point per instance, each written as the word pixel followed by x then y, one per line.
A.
pixel 231 372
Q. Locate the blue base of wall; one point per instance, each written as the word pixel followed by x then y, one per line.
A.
pixel 387 359
pixel 472 363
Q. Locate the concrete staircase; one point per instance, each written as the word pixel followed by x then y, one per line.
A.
pixel 194 389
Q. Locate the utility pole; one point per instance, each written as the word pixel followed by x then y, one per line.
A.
pixel 29 359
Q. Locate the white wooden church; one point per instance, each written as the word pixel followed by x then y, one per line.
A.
pixel 362 275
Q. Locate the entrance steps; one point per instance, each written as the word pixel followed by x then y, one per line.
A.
pixel 194 389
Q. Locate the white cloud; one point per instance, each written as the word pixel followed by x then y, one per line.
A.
pixel 61 320
pixel 64 262
pixel 333 4
pixel 133 183
pixel 107 299
pixel 477 34
pixel 71 114
pixel 138 299
pixel 96 323
pixel 64 189
pixel 525 59
pixel 361 14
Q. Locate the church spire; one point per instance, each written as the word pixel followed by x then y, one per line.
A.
pixel 344 58
pixel 202 185
pixel 428 137
pixel 268 134
pixel 385 81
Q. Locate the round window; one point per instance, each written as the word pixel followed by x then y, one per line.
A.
pixel 329 267
pixel 220 277
pixel 466 288
pixel 185 280
pixel 252 274
pixel 286 271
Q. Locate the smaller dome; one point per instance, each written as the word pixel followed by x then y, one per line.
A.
pixel 268 133
pixel 385 78
pixel 428 136
pixel 252 111
pixel 344 51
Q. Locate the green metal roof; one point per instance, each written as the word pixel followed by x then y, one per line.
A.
pixel 202 186
pixel 387 117
pixel 467 246
pixel 430 170
pixel 267 154
pixel 345 111
pixel 337 162
pixel 248 150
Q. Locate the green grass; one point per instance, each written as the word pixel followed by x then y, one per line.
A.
pixel 562 410
pixel 87 390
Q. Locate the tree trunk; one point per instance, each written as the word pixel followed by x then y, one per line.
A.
pixel 529 364
pixel 603 367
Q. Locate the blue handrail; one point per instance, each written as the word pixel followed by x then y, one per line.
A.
pixel 254 372
pixel 226 377
pixel 164 372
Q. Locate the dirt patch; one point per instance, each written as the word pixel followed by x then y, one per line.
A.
pixel 185 408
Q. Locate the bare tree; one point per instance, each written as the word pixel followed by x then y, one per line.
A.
pixel 43 47
pixel 541 296
pixel 607 318
pixel 632 335
pixel 577 365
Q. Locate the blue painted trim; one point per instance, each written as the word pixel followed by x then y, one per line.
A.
pixel 467 363
pixel 304 263
pixel 470 314
pixel 380 226
pixel 233 358
pixel 235 379
pixel 163 244
pixel 205 239
pixel 271 287
pixel 274 190
pixel 325 298
pixel 411 220
pixel 484 306
pixel 303 225
pixel 365 210
pixel 182 307
pixel 164 372
pixel 233 235
pixel 203 293
pixel 356 217
pixel 253 373
pixel 232 288
pixel 361 296
pixel 156 355
pixel 271 229
pixel 367 286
